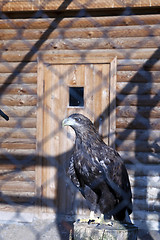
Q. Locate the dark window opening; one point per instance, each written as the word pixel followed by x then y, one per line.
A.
pixel 76 96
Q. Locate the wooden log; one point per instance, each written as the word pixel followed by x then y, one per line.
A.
pixel 141 193
pixel 11 157
pixel 96 43
pixel 13 167
pixel 88 32
pixel 122 76
pixel 19 55
pixel 145 62
pixel 29 122
pixel 20 111
pixel 137 146
pixel 19 67
pixel 84 4
pixel 138 88
pixel 151 224
pixel 19 194
pixel 20 145
pixel 19 89
pixel 21 133
pixel 145 181
pixel 139 157
pixel 137 100
pixel 20 78
pixel 61 6
pixel 143 215
pixel 45 23
pixel 18 140
pixel 73 5
pixel 143 169
pixel 138 123
pixel 18 153
pixel 138 112
pixel 150 205
pixel 149 157
pixel 139 77
pixel 17 186
pixel 16 208
pixel 138 134
pixel 27 198
pixel 103 231
pixel 17 176
pixel 141 65
pixel 18 100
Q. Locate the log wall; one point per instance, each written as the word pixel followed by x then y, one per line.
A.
pixel 135 41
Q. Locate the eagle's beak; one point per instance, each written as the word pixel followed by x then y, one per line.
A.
pixel 64 122
pixel 68 122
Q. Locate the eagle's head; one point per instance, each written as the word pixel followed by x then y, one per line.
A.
pixel 82 126
pixel 77 121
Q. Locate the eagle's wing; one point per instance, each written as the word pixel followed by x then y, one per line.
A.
pixel 85 190
pixel 72 173
pixel 115 174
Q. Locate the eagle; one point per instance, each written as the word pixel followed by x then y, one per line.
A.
pixel 98 171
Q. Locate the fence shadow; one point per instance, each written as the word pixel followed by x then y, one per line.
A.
pixel 140 122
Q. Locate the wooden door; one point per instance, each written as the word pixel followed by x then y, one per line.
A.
pixel 60 81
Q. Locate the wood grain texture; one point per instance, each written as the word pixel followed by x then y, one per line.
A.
pixel 74 5
pixel 44 23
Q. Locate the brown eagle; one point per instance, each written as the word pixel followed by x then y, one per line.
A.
pixel 98 171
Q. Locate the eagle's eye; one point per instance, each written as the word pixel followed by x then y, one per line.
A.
pixel 78 119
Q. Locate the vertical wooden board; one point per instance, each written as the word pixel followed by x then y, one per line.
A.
pixel 105 103
pixel 63 146
pixel 46 149
pixel 51 138
pixel 39 136
pixel 89 91
pixel 77 79
pixel 82 81
pixel 89 112
pixel 56 105
pixel 97 88
pixel 63 104
pixel 71 190
pixel 76 73
pixel 74 78
pixel 69 139
pixel 80 70
pixel 112 102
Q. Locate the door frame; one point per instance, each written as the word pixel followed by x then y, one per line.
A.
pixel 69 57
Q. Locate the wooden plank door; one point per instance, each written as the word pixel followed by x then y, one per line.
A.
pixel 93 80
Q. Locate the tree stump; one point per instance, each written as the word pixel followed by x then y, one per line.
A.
pixel 113 231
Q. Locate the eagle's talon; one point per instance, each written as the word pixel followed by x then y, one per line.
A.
pixel 110 224
pixel 91 221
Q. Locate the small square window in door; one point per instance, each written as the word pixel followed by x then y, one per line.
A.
pixel 76 96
